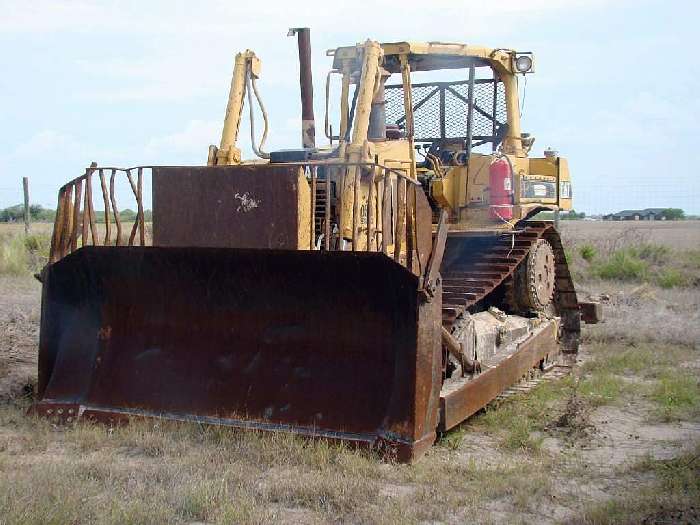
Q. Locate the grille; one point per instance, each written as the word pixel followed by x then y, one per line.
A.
pixel 441 109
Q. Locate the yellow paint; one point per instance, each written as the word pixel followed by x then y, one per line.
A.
pixel 303 211
pixel 227 152
pixel 357 151
pixel 462 190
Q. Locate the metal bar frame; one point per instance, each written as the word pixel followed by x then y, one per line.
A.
pixel 441 88
pixel 470 111
pixel 379 236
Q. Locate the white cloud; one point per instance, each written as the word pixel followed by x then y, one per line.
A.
pixel 49 142
pixel 193 140
pixel 642 120
pixel 174 51
pixel 223 16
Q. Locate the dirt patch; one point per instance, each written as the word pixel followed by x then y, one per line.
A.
pixel 624 435
pixel 575 422
pixel 680 235
pixel 662 516
pixel 573 456
pixel 19 335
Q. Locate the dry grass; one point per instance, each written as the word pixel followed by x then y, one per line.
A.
pixel 24 255
pixel 172 473
pixel 643 313
pixel 676 235
pixel 672 496
pixel 529 459
pixel 632 253
pixel 495 466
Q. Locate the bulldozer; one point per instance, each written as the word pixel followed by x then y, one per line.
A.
pixel 378 289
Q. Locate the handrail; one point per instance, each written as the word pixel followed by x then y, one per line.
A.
pixel 389 224
pixel 321 162
pixel 75 214
pixel 384 202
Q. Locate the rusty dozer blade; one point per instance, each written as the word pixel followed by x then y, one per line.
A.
pixel 330 344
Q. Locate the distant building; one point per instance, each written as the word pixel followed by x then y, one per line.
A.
pixel 647 214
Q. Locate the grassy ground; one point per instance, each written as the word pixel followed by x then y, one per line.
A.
pixel 664 254
pixel 617 441
pixel 546 456
pixel 24 255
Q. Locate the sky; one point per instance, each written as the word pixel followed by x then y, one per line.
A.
pixel 137 83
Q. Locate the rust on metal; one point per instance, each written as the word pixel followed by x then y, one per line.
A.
pixel 591 312
pixel 84 234
pixel 67 220
pixel 139 206
pixel 54 254
pixel 387 224
pixel 472 259
pixel 306 86
pixel 76 215
pixel 370 213
pixel 115 208
pixel 256 307
pixel 327 214
pixel 461 403
pixel 400 217
pixel 105 199
pixel 137 222
pixel 455 348
pixel 231 323
pixel 410 227
pixel 244 206
pixel 89 208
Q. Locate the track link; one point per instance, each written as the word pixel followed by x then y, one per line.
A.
pixel 555 372
pixel 481 264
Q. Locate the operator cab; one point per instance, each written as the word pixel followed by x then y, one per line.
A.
pixel 457 96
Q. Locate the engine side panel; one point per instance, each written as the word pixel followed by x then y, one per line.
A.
pixel 246 206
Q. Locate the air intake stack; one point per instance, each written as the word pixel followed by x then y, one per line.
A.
pixel 308 126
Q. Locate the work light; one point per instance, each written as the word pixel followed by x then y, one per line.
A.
pixel 523 63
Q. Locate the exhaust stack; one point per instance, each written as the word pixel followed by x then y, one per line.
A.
pixel 308 125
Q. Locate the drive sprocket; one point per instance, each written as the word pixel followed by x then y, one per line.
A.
pixel 532 286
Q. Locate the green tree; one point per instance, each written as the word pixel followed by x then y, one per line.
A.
pixel 13 213
pixel 573 216
pixel 674 214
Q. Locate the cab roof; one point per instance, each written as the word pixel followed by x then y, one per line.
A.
pixel 428 56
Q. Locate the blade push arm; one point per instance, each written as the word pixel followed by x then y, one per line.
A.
pixel 355 151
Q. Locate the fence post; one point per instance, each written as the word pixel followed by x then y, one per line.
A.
pixel 25 185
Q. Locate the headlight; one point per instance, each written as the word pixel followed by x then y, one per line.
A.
pixel 565 189
pixel 523 63
pixel 538 189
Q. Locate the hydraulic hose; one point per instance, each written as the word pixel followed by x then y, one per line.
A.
pixel 258 150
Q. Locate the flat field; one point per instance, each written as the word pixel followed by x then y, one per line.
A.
pixel 679 235
pixel 616 441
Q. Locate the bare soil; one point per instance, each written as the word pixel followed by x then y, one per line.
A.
pixel 599 450
pixel 678 235
pixel 19 334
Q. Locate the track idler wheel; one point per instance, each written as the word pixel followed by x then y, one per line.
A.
pixel 532 287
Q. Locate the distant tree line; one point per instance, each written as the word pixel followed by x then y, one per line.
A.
pixel 674 214
pixel 573 216
pixel 38 213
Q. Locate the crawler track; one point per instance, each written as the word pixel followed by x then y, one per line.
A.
pixel 475 267
pixel 523 387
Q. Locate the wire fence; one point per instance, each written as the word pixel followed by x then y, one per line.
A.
pixel 599 198
pixel 610 198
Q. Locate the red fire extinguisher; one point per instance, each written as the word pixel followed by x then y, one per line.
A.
pixel 501 190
